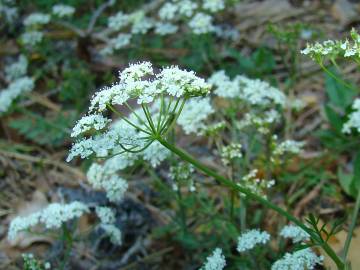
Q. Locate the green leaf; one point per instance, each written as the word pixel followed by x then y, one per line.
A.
pixel 346 182
pixel 339 95
pixel 333 117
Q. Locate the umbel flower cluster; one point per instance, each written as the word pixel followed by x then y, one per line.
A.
pixel 353 122
pixel 304 259
pixel 168 18
pixel 333 49
pixel 55 215
pixel 18 83
pixel 33 23
pixel 161 97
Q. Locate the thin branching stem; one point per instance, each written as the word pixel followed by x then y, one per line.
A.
pixel 226 182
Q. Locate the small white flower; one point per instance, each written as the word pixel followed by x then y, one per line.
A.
pixel 288 146
pixel 215 262
pixel 61 10
pixel 37 19
pixel 186 7
pixel 113 232
pixel 250 239
pixel 92 121
pixel 32 38
pixel 230 152
pixel 118 21
pixel 304 259
pixel 353 121
pixel 17 69
pixel 201 23
pixel 155 154
pixel 168 11
pixel 165 28
pixel 194 114
pixel 213 5
pixel 105 214
pixel 13 91
pixel 52 217
pixel 295 233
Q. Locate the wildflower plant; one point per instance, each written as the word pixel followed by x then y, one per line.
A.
pixel 161 99
pixel 62 217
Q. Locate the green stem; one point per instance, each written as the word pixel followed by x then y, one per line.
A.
pixel 68 243
pixel 352 227
pixel 226 182
pixel 336 78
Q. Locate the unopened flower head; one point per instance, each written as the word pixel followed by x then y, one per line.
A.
pixel 295 233
pixel 213 129
pixel 288 146
pixel 304 259
pixel 230 152
pixel 334 48
pixel 257 185
pixel 250 239
pixel 215 262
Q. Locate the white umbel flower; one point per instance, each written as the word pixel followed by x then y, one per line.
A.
pixel 16 70
pixel 13 91
pixel 52 217
pixel 304 259
pixel 118 21
pixel 295 233
pixel 168 11
pixel 62 11
pixel 105 214
pixel 155 154
pixel 289 146
pixel 213 5
pixel 113 232
pixel 224 86
pixel 165 28
pixel 251 238
pixel 194 114
pixel 32 38
pixel 215 262
pixel 201 23
pixel 353 121
pixel 37 19
pixel 186 7
pixel 93 121
pixel 230 152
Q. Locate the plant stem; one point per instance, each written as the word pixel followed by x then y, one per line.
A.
pixel 352 227
pixel 68 243
pixel 226 182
